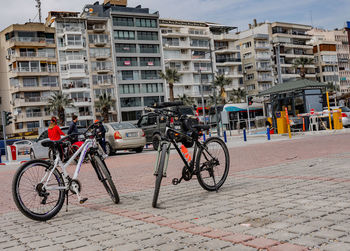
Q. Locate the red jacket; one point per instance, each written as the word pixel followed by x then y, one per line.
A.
pixel 55 133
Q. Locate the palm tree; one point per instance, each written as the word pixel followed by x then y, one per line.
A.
pixel 332 87
pixel 237 96
pixel 104 104
pixel 221 81
pixel 300 63
pixel 171 76
pixel 187 100
pixel 57 103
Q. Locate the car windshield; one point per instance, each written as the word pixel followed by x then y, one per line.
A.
pixel 344 109
pixel 186 110
pixel 122 125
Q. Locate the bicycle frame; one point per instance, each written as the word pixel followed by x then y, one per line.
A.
pixel 169 140
pixel 58 162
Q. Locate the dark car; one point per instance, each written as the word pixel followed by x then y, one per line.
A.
pixel 154 126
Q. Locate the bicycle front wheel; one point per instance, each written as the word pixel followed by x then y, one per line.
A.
pixel 31 197
pixel 106 179
pixel 159 177
pixel 213 163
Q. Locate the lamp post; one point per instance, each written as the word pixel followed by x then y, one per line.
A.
pixel 202 91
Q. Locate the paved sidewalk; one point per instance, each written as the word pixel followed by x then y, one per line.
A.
pixel 300 205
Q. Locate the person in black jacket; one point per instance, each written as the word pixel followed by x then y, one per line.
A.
pixel 73 129
pixel 102 132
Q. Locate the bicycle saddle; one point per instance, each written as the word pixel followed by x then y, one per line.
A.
pixel 53 143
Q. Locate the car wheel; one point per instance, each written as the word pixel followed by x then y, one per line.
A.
pixel 155 141
pixel 32 155
pixel 109 150
pixel 139 150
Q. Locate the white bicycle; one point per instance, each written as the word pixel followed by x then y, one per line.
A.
pixel 40 187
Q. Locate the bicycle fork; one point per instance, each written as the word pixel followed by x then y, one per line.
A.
pixel 160 147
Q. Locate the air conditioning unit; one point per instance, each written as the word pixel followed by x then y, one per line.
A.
pixel 182 38
pixel 8 57
pixel 185 63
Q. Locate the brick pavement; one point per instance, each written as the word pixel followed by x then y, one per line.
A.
pixel 297 203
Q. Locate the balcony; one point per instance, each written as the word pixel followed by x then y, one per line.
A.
pixel 262 57
pixel 75 86
pixel 82 101
pixel 100 42
pixel 30 71
pixel 32 41
pixel 228 61
pixel 42 87
pixel 75 58
pixel 99 27
pixel 262 46
pixel 104 82
pixel 263 68
pixel 261 36
pixel 101 56
pixel 74 45
pixel 31 101
pixel 72 30
pixel 265 79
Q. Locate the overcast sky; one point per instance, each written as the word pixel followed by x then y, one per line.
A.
pixel 321 13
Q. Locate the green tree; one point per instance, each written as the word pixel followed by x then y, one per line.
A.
pixel 57 103
pixel 332 88
pixel 300 63
pixel 187 100
pixel 171 76
pixel 237 96
pixel 221 81
pixel 104 104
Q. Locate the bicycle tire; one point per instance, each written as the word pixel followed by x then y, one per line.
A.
pixel 19 199
pixel 159 177
pixel 105 175
pixel 202 169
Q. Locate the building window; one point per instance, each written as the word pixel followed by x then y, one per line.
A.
pixel 31 126
pixel 98 38
pixel 125 48
pixel 143 22
pixel 150 101
pixel 130 102
pixel 100 52
pixel 30 82
pixel 150 74
pixel 129 89
pixel 102 79
pixel 199 43
pixel 19 126
pixel 249 76
pixel 124 35
pixel 247 45
pixel 147 35
pixel 122 61
pixel 123 21
pixel 171 41
pixel 220 44
pixel 100 92
pixel 133 115
pixel 149 48
pixel 149 61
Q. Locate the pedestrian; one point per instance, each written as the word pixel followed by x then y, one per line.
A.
pixel 73 129
pixel 54 131
pixel 102 132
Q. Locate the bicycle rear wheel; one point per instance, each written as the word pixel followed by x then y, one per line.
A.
pixel 159 177
pixel 106 179
pixel 30 197
pixel 213 163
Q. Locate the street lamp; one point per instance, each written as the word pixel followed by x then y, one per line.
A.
pixel 202 91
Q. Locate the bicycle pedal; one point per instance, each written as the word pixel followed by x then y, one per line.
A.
pixel 175 181
pixel 82 201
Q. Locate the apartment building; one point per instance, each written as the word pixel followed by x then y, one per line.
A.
pixel 256 51
pixel 291 41
pixel 186 49
pixel 338 57
pixel 72 49
pixel 29 74
pixel 227 55
pixel 102 67
pixel 136 53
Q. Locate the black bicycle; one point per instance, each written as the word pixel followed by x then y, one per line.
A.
pixel 210 160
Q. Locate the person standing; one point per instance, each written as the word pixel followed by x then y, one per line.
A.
pixel 73 129
pixel 54 131
pixel 102 131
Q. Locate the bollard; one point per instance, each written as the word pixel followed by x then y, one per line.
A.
pixel 146 146
pixel 268 133
pixel 244 135
pixel 203 137
pixel 225 137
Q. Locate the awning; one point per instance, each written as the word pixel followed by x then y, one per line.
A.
pixel 290 86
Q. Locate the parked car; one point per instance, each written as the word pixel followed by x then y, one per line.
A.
pixel 345 113
pixel 154 126
pixel 124 136
pixel 37 151
pixel 23 146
